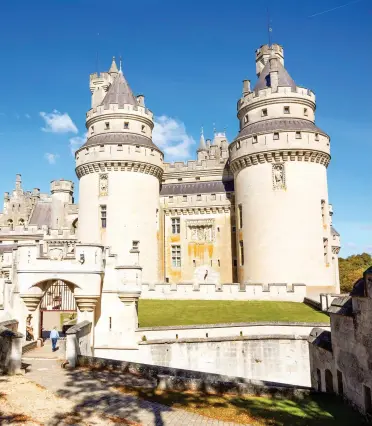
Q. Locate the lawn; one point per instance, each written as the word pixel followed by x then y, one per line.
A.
pixel 313 410
pixel 154 313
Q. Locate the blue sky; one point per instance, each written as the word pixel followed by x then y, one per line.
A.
pixel 189 58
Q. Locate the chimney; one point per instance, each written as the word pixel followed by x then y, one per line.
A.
pixel 274 78
pixel 18 182
pixel 141 100
pixel 246 87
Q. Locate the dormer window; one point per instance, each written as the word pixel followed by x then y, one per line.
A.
pixel 286 110
pixel 126 125
pixel 276 136
pixel 264 112
pixel 255 139
pixel 316 136
pixel 306 111
pixel 298 135
pixel 107 125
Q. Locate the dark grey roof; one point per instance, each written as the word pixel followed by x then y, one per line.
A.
pixel 284 78
pixel 41 214
pixel 358 288
pixel 334 232
pixel 342 306
pixel 279 124
pixel 119 93
pixel 124 138
pixel 7 248
pixel 321 338
pixel 197 187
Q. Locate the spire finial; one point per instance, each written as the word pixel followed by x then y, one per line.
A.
pixel 202 131
pixel 269 29
pixel 113 67
pixel 120 69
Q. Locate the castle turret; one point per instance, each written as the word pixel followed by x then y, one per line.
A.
pixel 279 161
pixel 119 169
pixel 202 150
pixel 62 195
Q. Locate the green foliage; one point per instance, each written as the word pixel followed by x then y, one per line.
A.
pixel 153 313
pixel 351 269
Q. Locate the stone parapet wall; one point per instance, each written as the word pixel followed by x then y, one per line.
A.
pixel 230 291
pixel 179 379
pixel 78 339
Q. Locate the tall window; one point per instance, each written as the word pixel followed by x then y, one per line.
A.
pixel 176 256
pixel 176 225
pixel 322 204
pixel 103 216
pixel 241 246
pixel 325 248
pixel 240 207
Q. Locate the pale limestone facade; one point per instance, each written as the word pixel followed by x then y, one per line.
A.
pixel 254 212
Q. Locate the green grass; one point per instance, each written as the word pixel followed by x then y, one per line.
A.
pixel 312 410
pixel 154 313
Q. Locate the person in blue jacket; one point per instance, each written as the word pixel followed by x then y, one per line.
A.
pixel 54 336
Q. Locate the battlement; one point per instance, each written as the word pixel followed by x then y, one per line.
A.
pixel 194 165
pixel 264 53
pixel 61 185
pixel 127 110
pixel 22 230
pixel 97 78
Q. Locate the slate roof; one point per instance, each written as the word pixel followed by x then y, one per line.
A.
pixel 7 248
pixel 284 78
pixel 119 93
pixel 279 124
pixel 358 288
pixel 334 232
pixel 197 188
pixel 321 338
pixel 124 138
pixel 41 214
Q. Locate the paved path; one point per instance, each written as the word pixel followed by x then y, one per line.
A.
pixel 95 393
pixel 45 352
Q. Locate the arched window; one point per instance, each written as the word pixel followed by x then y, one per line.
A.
pixel 10 224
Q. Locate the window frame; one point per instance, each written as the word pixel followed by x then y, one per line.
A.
pixel 176 225
pixel 176 256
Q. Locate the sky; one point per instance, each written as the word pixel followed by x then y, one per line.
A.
pixel 188 57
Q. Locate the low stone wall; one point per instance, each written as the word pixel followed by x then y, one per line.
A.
pixel 280 358
pixel 180 380
pixel 10 347
pixel 78 340
pixel 228 291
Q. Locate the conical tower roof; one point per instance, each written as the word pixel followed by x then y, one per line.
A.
pixel 114 67
pixel 264 80
pixel 202 145
pixel 119 93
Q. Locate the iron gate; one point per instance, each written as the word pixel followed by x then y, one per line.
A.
pixel 58 298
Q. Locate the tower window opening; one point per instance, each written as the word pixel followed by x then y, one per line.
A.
pixel 241 246
pixel 179 179
pixel 213 197
pixel 120 147
pixel 176 225
pixel 103 216
pixel 198 197
pixel 325 250
pixel 240 207
pixel 322 205
pixel 101 148
pixel 246 119
pixel 235 263
pixel 306 112
pixel 170 199
pixel 135 245
pixel 316 136
pixel 286 110
pixel 276 136
pixel 126 125
pixel 92 130
pixel 238 145
pixel 110 323
pixel 197 178
pixel 255 139
pixel 143 128
pixel 194 262
pixel 107 125
pixel 219 262
pixel 176 256
pixel 264 112
pixel 184 198
pixel 152 151
pixel 211 262
pixel 298 135
pixel 138 148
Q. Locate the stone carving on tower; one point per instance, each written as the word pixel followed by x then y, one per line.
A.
pixel 103 184
pixel 278 176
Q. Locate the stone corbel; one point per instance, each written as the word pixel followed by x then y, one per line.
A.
pixel 86 303
pixel 31 301
pixel 129 296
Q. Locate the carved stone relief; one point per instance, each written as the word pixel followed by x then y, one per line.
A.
pixel 56 253
pixel 278 174
pixel 200 230
pixel 103 184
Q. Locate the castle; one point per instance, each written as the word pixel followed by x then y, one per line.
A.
pixel 254 212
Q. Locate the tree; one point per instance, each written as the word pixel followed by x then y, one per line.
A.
pixel 351 270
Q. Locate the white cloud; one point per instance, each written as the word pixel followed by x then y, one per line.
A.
pixel 170 135
pixel 76 142
pixel 28 116
pixel 56 122
pixel 51 158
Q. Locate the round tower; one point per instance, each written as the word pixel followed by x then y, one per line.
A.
pixel 279 160
pixel 62 195
pixel 119 170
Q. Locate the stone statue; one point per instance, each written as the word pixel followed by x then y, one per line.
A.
pixel 278 176
pixel 103 184
pixel 29 329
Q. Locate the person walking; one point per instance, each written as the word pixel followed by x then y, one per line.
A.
pixel 54 336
